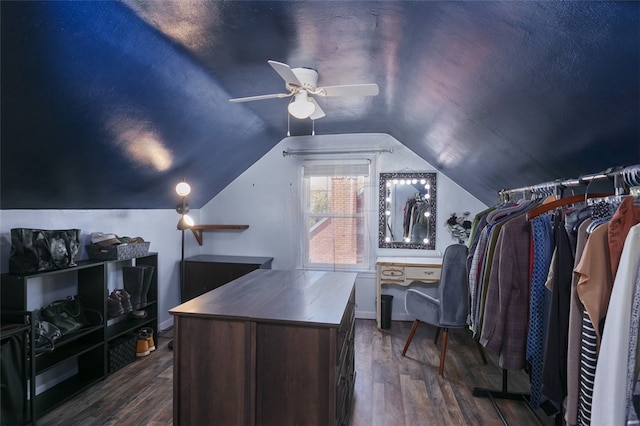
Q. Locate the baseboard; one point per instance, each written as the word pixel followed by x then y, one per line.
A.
pixel 165 324
pixel 400 316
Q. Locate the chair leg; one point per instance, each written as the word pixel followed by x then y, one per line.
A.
pixel 435 339
pixel 482 355
pixel 414 327
pixel 443 353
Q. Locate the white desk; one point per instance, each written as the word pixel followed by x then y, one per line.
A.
pixel 402 271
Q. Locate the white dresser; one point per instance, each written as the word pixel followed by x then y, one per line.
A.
pixel 402 271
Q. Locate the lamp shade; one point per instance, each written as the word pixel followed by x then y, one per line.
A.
pixel 301 107
pixel 183 189
pixel 185 222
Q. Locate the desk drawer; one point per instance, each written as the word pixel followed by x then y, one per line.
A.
pixel 422 273
pixel 392 273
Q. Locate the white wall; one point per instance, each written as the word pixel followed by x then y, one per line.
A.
pixel 265 197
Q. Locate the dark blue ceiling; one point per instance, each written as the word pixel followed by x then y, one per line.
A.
pixel 109 104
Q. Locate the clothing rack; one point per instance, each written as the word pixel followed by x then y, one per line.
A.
pixel 623 178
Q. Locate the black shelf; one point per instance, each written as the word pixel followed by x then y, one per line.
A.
pixel 86 351
pixel 64 391
pixel 126 324
pixel 63 352
pixel 18 326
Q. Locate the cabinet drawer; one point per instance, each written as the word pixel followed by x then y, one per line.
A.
pixel 422 273
pixel 346 329
pixel 392 273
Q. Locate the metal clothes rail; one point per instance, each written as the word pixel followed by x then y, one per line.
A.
pixel 622 177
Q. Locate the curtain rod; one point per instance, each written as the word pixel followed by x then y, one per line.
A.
pixel 289 152
pixel 618 174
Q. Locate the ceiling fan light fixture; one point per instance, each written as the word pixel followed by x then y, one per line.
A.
pixel 301 107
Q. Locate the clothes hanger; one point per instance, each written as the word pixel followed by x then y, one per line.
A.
pixel 573 199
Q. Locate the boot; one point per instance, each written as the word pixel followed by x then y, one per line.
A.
pixel 132 277
pixel 148 275
pixel 125 298
pixel 149 333
pixel 114 306
pixel 142 344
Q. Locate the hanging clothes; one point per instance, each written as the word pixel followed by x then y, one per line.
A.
pixel 507 296
pixel 541 250
pixel 610 393
pixel 481 264
pixel 576 312
pixel 555 360
pixel 595 279
pixel 626 216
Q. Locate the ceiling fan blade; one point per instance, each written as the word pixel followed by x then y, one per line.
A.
pixel 318 113
pixel 350 90
pixel 285 72
pixel 261 97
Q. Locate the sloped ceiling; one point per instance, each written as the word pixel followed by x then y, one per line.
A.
pixel 109 104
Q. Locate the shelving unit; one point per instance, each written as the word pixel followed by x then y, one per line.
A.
pixel 16 328
pixel 81 359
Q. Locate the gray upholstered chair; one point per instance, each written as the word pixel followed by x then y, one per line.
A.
pixel 444 304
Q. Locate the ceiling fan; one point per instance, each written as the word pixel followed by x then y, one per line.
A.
pixel 301 83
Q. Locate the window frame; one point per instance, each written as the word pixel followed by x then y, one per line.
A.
pixel 368 214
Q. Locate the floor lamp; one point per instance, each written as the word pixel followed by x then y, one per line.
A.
pixel 182 189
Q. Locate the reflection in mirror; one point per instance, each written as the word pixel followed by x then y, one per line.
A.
pixel 407 211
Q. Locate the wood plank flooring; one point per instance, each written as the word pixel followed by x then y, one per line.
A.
pixel 390 390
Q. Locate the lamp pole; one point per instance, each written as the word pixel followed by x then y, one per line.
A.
pixel 182 271
pixel 182 189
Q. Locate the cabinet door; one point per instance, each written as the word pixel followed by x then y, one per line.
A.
pixel 202 277
pixel 295 375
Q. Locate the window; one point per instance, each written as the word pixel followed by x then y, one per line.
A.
pixel 336 200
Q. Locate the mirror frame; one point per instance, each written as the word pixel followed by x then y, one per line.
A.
pixel 382 207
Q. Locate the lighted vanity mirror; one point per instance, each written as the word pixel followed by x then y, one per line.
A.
pixel 407 211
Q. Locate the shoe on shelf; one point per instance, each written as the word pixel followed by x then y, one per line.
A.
pixel 146 283
pixel 142 345
pixel 114 306
pixel 125 299
pixel 150 342
pixel 133 282
pixel 139 314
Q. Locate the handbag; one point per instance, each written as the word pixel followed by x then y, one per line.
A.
pixel 69 315
pixel 37 250
pixel 47 334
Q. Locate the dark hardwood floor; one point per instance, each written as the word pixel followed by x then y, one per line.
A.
pixel 390 389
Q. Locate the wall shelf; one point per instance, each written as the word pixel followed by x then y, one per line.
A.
pixel 198 229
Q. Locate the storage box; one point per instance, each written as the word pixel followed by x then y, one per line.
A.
pixel 122 351
pixel 117 252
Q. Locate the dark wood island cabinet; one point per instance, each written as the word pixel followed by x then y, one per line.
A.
pixel 273 347
pixel 206 272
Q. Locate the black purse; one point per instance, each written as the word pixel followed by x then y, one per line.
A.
pixel 37 250
pixel 46 334
pixel 70 316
